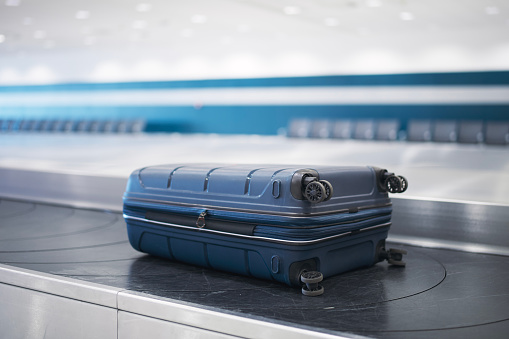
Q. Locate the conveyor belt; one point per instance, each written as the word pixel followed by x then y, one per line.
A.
pixel 441 293
pixel 67 270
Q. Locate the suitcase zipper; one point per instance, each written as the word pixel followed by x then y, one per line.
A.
pixel 307 234
pixel 199 207
pixel 274 240
pixel 263 219
pixel 200 222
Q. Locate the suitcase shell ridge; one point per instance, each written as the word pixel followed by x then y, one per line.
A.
pixel 197 185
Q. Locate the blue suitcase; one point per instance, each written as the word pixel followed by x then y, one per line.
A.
pixel 295 225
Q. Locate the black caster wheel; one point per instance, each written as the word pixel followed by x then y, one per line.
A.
pixel 312 293
pixel 393 184
pixel 396 257
pixel 396 262
pixel 328 189
pixel 311 279
pixel 315 192
pixel 404 183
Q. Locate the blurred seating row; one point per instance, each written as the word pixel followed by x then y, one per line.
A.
pixel 463 131
pixel 70 126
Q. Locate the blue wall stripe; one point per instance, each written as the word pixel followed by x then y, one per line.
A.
pixel 265 119
pixel 411 79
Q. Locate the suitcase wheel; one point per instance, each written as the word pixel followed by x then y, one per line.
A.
pixel 393 184
pixel 396 262
pixel 315 192
pixel 311 277
pixel 396 257
pixel 311 280
pixel 312 293
pixel 393 256
pixel 328 189
pixel 404 183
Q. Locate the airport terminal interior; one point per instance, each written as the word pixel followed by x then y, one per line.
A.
pixel 91 91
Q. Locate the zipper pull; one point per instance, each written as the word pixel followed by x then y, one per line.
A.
pixel 200 223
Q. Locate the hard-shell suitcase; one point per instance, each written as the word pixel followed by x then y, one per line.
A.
pixel 289 224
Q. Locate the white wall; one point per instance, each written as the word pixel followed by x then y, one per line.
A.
pixel 252 38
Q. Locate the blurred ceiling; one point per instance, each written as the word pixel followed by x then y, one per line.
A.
pixel 118 40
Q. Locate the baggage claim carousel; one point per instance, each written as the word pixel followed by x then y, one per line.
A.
pixel 67 269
